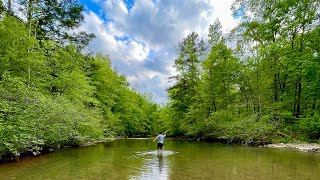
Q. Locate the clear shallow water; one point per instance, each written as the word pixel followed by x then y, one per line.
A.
pixel 138 159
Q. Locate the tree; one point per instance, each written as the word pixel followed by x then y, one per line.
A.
pixel 278 30
pixel 185 93
pixel 54 19
pixel 53 96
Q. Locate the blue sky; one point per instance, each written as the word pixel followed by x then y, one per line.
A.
pixel 141 36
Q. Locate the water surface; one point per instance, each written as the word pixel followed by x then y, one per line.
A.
pixel 138 159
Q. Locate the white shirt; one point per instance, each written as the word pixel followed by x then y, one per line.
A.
pixel 161 138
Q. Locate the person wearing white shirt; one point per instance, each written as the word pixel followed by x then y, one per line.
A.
pixel 160 138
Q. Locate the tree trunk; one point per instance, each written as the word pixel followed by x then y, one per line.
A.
pixel 214 105
pixel 10 7
pixel 314 104
pixel 275 87
pixel 297 103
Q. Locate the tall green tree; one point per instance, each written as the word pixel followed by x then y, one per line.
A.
pixel 279 30
pixel 265 87
pixel 185 93
pixel 220 71
pixel 53 19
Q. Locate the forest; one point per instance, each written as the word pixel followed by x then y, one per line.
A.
pixel 259 83
pixel 52 93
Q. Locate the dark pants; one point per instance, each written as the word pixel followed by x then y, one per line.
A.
pixel 160 145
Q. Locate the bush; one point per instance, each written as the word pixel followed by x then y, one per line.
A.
pixel 310 127
pixel 31 121
pixel 253 127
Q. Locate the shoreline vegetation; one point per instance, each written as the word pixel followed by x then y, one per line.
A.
pixel 6 158
pixel 264 88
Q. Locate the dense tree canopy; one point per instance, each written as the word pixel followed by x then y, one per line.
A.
pixel 52 95
pixel 260 82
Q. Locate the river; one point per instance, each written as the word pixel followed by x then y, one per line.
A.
pixel 181 159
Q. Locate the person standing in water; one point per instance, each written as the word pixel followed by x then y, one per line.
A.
pixel 160 138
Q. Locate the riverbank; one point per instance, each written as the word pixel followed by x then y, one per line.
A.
pixel 9 157
pixel 301 146
pixel 306 147
pixel 90 143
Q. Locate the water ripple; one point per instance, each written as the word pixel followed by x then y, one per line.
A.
pixel 163 153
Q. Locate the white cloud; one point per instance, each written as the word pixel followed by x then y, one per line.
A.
pixel 150 32
pixel 115 9
pixel 135 51
pixel 112 30
pixel 222 10
pixel 127 51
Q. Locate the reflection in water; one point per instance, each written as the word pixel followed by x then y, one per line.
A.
pixel 156 165
pixel 160 160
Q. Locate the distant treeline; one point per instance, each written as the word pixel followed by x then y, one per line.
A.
pixel 51 93
pixel 259 83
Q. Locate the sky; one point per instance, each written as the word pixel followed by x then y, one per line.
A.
pixel 141 36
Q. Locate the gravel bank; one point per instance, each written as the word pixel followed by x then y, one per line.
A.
pixel 306 147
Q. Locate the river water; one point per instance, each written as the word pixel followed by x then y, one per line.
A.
pixel 181 159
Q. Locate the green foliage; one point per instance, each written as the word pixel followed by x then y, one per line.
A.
pixel 308 128
pixel 223 125
pixel 265 89
pixel 53 19
pixel 53 96
pixel 31 121
pixel 16 55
